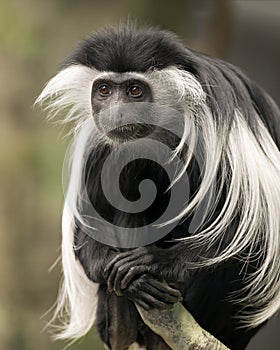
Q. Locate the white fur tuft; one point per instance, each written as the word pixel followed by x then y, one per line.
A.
pixel 69 92
pixel 77 301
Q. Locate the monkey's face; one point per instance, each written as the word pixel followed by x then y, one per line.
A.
pixel 121 104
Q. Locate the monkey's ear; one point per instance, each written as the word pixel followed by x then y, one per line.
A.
pixel 68 94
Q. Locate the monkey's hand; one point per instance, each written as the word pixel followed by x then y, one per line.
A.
pixel 151 260
pixel 149 292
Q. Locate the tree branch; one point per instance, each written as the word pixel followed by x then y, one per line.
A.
pixel 179 329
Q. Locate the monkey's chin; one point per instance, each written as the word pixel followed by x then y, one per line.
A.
pixel 130 132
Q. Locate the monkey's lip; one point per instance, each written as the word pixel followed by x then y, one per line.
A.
pixel 130 131
pixel 130 128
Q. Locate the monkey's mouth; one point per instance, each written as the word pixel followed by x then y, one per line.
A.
pixel 131 131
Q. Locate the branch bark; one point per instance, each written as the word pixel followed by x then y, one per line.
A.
pixel 179 329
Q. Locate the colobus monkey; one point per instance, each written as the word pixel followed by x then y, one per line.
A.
pixel 159 125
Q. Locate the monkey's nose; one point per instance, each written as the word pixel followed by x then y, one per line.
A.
pixel 131 131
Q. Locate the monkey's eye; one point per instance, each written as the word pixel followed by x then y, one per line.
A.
pixel 135 91
pixel 104 90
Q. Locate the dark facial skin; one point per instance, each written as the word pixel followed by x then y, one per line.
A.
pixel 110 98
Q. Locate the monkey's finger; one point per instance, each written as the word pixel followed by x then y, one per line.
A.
pixel 117 261
pixel 165 288
pixel 131 273
pixel 123 257
pixel 148 299
pixel 159 287
pixel 144 305
pixel 119 269
pixel 122 273
pixel 161 295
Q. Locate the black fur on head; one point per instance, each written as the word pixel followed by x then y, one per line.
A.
pixel 128 49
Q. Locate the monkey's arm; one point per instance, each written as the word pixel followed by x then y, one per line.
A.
pixel 93 255
pixel 147 291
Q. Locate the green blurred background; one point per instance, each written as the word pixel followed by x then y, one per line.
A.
pixel 34 37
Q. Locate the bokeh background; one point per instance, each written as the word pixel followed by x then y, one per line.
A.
pixel 35 35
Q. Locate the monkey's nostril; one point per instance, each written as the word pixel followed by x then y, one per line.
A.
pixel 120 118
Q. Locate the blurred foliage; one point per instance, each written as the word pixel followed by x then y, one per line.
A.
pixel 34 37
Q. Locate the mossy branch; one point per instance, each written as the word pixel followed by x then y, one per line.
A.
pixel 179 329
